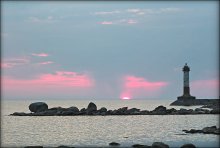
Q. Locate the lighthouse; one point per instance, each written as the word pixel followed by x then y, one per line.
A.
pixel 186 88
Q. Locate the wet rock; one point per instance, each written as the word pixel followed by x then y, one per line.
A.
pixel 103 109
pixel 114 144
pixel 160 110
pixel 183 111
pixel 109 112
pixel 122 111
pixel 19 114
pixel 192 131
pixel 73 109
pixel 91 108
pixel 209 130
pixel 206 130
pixel 188 146
pixel 132 111
pixel 82 111
pixel 171 111
pixel 144 112
pixel 201 111
pixel 67 113
pixel 38 107
pixel 140 146
pixel 159 145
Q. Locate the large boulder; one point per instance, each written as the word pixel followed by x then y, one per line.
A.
pixel 103 109
pixel 91 108
pixel 159 145
pixel 38 107
pixel 188 146
pixel 160 110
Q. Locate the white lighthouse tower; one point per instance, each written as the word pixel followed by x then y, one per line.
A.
pixel 186 89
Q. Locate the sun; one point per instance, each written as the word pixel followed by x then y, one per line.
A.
pixel 126 98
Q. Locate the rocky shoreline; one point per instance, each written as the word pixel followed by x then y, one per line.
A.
pixel 115 144
pixel 41 109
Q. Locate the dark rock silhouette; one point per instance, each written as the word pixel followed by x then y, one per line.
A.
pixel 159 145
pixel 188 146
pixel 114 144
pixel 91 108
pixel 205 130
pixel 38 107
pixel 140 146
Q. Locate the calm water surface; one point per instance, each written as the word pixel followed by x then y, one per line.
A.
pixel 101 130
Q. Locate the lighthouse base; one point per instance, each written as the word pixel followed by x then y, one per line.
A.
pixel 186 98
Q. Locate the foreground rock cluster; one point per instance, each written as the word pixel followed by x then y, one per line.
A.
pixel 115 144
pixel 205 130
pixel 41 109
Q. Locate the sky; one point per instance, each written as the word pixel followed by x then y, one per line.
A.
pixel 108 50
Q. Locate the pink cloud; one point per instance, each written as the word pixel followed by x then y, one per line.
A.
pixel 61 82
pixel 46 63
pixel 40 54
pixel 119 22
pixel 205 88
pixel 107 12
pixel 60 78
pixel 140 87
pixel 106 23
pixel 12 62
pixel 131 21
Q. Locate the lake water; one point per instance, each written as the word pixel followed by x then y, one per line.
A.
pixel 87 131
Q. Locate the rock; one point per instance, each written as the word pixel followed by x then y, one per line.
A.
pixel 114 144
pixel 132 110
pixel 73 109
pixel 215 111
pixel 38 107
pixel 33 146
pixel 91 108
pixel 192 131
pixel 183 111
pixel 83 110
pixel 209 130
pixel 188 146
pixel 144 112
pixel 67 113
pixel 103 109
pixel 171 111
pixel 206 130
pixel 64 146
pixel 140 146
pixel 160 110
pixel 109 112
pixel 159 145
pixel 217 132
pixel 19 114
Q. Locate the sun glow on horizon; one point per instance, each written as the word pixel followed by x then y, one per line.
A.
pixel 126 98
